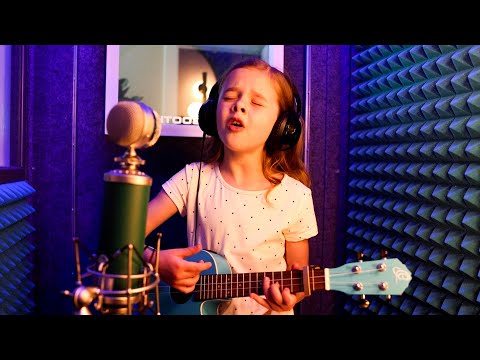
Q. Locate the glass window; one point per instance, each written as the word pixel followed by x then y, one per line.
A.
pixel 11 121
pixel 5 84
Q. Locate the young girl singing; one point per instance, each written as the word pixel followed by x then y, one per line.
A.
pixel 250 199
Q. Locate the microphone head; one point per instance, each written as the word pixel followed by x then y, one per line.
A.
pixel 132 123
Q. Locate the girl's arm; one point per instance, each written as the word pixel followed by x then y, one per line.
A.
pixel 173 269
pixel 160 209
pixel 296 252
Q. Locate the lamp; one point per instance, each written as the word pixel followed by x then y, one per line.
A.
pixel 199 89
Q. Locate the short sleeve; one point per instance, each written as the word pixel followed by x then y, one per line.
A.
pixel 178 187
pixel 303 224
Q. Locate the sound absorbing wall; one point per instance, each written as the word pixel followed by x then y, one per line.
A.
pixel 16 250
pixel 414 173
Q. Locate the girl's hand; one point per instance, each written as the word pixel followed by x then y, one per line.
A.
pixel 177 272
pixel 275 298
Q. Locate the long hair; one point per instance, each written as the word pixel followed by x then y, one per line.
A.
pixel 288 161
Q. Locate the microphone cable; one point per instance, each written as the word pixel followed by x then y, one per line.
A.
pixel 198 187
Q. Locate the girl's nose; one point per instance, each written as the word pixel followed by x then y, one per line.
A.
pixel 239 107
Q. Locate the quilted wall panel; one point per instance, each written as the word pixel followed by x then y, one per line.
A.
pixel 16 262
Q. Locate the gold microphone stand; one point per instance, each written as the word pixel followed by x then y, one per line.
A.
pixel 99 294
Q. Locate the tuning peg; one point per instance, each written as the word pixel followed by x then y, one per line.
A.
pixel 384 253
pixel 364 303
pixel 388 298
pixel 360 256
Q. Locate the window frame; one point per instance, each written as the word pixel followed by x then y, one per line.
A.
pixel 16 170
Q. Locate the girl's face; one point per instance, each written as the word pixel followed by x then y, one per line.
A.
pixel 247 110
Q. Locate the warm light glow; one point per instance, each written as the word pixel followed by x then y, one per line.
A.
pixel 193 109
pixel 196 89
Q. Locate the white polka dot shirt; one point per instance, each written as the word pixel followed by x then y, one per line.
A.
pixel 240 225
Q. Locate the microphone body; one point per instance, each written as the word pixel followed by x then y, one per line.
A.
pixel 126 199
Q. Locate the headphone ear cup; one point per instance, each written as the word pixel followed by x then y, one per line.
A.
pixel 292 131
pixel 285 133
pixel 207 117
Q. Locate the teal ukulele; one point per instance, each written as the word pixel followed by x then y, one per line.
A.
pixel 216 284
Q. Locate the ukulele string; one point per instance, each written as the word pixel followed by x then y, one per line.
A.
pixel 212 285
pixel 232 285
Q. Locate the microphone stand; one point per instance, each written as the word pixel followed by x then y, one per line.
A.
pixel 99 295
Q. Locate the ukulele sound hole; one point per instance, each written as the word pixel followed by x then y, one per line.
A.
pixel 178 297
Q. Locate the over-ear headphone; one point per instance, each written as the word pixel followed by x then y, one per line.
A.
pixel 207 115
pixel 285 133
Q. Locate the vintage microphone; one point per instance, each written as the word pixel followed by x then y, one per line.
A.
pixel 122 276
pixel 126 194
